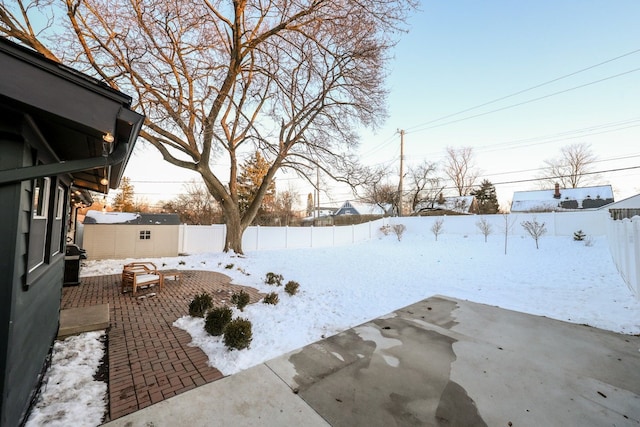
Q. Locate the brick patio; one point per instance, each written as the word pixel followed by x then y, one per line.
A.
pixel 149 359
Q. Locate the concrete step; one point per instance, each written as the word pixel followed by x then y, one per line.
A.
pixel 74 321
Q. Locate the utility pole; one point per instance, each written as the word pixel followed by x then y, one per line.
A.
pixel 400 185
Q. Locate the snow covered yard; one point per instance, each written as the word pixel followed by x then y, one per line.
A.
pixel 346 286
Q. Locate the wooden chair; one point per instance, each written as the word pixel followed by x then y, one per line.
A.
pixel 140 275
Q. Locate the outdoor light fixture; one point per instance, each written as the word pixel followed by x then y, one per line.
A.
pixel 107 137
pixel 104 181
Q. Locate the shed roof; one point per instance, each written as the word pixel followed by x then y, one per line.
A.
pixel 131 218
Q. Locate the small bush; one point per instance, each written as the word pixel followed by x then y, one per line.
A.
pixel 291 287
pixel 200 304
pixel 274 279
pixel 240 299
pixel 399 230
pixel 228 266
pixel 237 334
pixel 579 236
pixel 271 298
pixel 385 229
pixel 217 319
pixel 181 262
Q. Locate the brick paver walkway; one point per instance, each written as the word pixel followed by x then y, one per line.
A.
pixel 149 359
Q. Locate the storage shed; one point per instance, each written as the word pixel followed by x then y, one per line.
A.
pixel 119 235
pixel 58 128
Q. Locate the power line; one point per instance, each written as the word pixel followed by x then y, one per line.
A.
pixel 547 139
pixel 410 129
pixel 566 176
pixel 528 101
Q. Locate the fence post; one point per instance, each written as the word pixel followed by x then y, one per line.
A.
pixel 286 237
pixel 182 238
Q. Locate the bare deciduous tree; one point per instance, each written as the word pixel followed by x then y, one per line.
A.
pixel 437 227
pixel 535 229
pixel 460 168
pixel 485 228
pixel 195 205
pixel 509 221
pixel 292 80
pixel 572 169
pixel 423 184
pixel 377 190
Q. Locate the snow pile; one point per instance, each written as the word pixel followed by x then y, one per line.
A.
pixel 70 396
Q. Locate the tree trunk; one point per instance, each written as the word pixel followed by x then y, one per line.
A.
pixel 233 239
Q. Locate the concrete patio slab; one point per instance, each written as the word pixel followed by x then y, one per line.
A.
pixel 439 362
pixel 83 319
pixel 254 397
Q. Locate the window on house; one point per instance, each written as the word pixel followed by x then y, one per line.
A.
pixel 145 234
pixel 38 227
pixel 61 201
pixel 58 223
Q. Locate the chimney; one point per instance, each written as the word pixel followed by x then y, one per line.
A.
pixel 556 194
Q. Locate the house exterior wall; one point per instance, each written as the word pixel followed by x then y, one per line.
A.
pixel 119 241
pixel 30 299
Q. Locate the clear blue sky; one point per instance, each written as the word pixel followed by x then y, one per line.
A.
pixel 461 54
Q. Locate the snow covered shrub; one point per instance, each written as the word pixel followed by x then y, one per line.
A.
pixel 291 287
pixel 588 242
pixel 385 229
pixel 271 298
pixel 228 266
pixel 237 334
pixel 579 236
pixel 240 299
pixel 399 230
pixel 274 279
pixel 200 304
pixel 217 319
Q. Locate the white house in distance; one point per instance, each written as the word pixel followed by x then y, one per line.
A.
pixel 562 199
pixel 461 205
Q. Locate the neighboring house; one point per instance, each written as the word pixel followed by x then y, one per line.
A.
pixel 625 208
pixel 60 131
pixel 562 199
pixel 118 235
pixel 357 208
pixel 458 205
pixel 323 216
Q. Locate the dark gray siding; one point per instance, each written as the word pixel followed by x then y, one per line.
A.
pixel 30 301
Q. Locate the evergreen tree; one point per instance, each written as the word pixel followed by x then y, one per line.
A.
pixel 252 173
pixel 124 200
pixel 487 198
pixel 310 204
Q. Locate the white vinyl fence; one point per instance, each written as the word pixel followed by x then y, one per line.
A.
pixel 624 243
pixel 623 235
pixel 210 238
